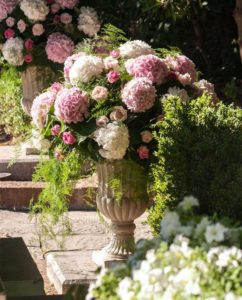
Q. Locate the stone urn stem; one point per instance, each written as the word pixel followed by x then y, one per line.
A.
pixel 122 197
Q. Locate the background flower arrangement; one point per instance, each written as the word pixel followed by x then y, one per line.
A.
pixel 43 32
pixel 195 257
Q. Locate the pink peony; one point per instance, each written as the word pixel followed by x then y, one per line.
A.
pixel 148 66
pixel 68 138
pixel 41 106
pixel 65 18
pixel 102 121
pixel 21 25
pixel 10 22
pixel 115 53
pixel 113 76
pixel 183 68
pixel 28 44
pixel 143 152
pixel 56 87
pixel 119 114
pixel 38 29
pixel 67 3
pixel 9 33
pixel 59 47
pixel 28 58
pixel 54 8
pixel 99 93
pixel 146 136
pixel 139 94
pixel 110 62
pixel 71 105
pixel 6 7
pixel 55 131
pixel 69 63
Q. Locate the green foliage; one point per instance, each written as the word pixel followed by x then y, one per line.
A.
pixel 199 153
pixel 11 113
pixel 113 35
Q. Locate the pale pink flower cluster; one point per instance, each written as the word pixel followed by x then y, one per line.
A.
pixel 6 7
pixel 59 46
pixel 204 86
pixel 118 114
pixel 67 3
pixel 149 66
pixel 38 29
pixel 88 21
pixel 69 63
pixel 34 10
pixel 41 106
pixel 99 93
pixel 21 25
pixel 139 94
pixel 183 68
pixel 110 62
pixel 66 18
pixel 133 49
pixel 71 105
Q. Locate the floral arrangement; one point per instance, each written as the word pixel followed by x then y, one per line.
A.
pixel 43 32
pixel 195 257
pixel 111 99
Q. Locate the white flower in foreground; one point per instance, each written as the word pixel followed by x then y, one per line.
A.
pixel 215 233
pixel 232 296
pixel 88 21
pixel 188 203
pixel 170 225
pixel 114 140
pixel 133 49
pixel 124 289
pixel 85 68
pixel 35 10
pixel 13 51
pixel 201 227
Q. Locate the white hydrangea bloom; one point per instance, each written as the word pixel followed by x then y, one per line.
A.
pixel 170 225
pixel 114 140
pixel 188 203
pixel 133 49
pixel 13 51
pixel 88 21
pixel 124 289
pixel 202 226
pixel 85 68
pixel 232 296
pixel 35 10
pixel 215 233
pixel 177 92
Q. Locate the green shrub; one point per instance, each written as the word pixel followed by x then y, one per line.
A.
pixel 199 153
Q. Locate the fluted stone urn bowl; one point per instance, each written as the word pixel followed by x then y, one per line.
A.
pixel 122 197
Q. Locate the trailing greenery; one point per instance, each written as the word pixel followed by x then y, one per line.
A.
pixel 199 153
pixel 11 113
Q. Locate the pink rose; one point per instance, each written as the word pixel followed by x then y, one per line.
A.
pixel 102 121
pixel 143 152
pixel 68 138
pixel 119 114
pixel 56 87
pixel 28 58
pixel 99 93
pixel 10 21
pixel 9 33
pixel 110 62
pixel 29 44
pixel 55 8
pixel 115 53
pixel 146 136
pixel 65 18
pixel 38 29
pixel 58 154
pixel 21 25
pixel 55 131
pixel 113 76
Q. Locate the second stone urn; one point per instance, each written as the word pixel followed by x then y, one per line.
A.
pixel 122 197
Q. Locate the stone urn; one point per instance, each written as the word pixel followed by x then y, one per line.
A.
pixel 35 79
pixel 122 197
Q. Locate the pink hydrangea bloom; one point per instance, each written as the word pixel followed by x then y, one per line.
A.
pixel 38 29
pixel 139 94
pixel 71 105
pixel 65 18
pixel 143 152
pixel 67 3
pixel 113 76
pixel 9 33
pixel 28 44
pixel 10 22
pixel 6 7
pixel 55 131
pixel 183 68
pixel 68 138
pixel 69 63
pixel 59 47
pixel 99 93
pixel 41 106
pixel 149 66
pixel 56 87
pixel 21 25
pixel 28 58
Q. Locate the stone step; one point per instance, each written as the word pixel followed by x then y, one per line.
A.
pixel 16 195
pixel 18 271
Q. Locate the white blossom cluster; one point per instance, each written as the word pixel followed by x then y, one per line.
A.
pixel 85 68
pixel 133 49
pixel 13 51
pixel 35 10
pixel 88 21
pixel 177 92
pixel 114 140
